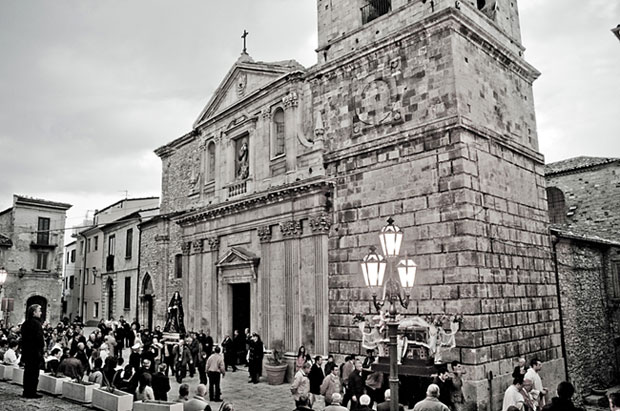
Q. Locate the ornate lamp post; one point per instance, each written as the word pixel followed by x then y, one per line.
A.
pixel 3 275
pixel 374 267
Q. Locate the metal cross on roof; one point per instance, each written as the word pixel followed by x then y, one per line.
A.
pixel 245 34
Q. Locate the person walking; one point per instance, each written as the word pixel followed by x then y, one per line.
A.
pixel 161 383
pixel 301 385
pixel 316 376
pixel 331 385
pixel 255 358
pixel 144 392
pixel 215 369
pixel 33 345
pixel 230 355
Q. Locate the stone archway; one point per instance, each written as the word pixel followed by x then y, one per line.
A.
pixel 146 302
pixel 42 301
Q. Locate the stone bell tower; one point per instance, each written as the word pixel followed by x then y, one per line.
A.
pixel 427 115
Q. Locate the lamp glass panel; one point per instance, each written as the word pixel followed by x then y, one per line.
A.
pixel 406 273
pixel 373 268
pixel 391 238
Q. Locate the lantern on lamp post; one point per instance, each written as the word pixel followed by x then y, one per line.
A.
pixel 374 268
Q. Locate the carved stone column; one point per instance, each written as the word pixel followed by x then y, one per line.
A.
pixel 214 246
pixel 320 226
pixel 264 235
pixel 291 231
pixel 195 281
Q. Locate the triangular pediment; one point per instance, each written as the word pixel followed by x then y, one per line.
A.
pixel 238 256
pixel 245 77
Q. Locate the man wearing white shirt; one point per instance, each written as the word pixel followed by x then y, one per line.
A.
pixel 512 396
pixel 533 375
pixel 10 356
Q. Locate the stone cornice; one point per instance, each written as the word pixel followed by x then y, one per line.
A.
pixel 269 197
pixel 439 126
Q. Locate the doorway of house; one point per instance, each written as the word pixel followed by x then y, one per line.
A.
pixel 42 301
pixel 241 306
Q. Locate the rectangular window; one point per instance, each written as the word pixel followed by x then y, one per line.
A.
pixel 111 244
pixel 72 256
pixel 71 282
pixel 178 265
pixel 95 310
pixel 127 293
pixel 96 240
pixel 94 271
pixel 86 274
pixel 42 261
pixel 68 256
pixel 43 231
pixel 85 308
pixel 82 247
pixel 129 243
pixel 88 245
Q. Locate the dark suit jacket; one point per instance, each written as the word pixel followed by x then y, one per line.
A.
pixel 385 406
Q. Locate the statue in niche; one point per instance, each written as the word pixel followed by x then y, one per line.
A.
pixel 174 322
pixel 242 159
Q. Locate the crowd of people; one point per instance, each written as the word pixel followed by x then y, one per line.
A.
pixel 99 358
pixel 354 384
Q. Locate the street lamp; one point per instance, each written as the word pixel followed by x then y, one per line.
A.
pixel 374 267
pixel 3 275
pixel 616 31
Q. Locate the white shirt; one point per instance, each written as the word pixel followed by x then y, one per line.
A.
pixel 512 396
pixel 533 376
pixel 10 357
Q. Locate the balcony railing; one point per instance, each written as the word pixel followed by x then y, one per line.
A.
pixel 237 189
pixel 374 9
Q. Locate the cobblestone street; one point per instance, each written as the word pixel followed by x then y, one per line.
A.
pixel 235 389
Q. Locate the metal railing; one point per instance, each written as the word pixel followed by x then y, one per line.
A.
pixel 374 9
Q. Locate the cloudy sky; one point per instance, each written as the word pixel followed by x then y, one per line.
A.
pixel 88 89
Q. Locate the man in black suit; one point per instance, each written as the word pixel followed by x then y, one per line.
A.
pixel 33 346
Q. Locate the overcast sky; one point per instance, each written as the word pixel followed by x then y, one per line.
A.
pixel 88 89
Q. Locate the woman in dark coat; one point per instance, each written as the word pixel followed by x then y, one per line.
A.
pixel 255 358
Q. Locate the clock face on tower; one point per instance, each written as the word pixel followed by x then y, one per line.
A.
pixel 374 105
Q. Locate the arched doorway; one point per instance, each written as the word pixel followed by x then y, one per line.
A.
pixel 110 300
pixel 146 304
pixel 42 301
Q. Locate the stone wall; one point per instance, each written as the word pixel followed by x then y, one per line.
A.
pixel 588 315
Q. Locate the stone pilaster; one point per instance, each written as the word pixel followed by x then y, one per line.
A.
pixel 291 231
pixel 214 246
pixel 264 234
pixel 320 226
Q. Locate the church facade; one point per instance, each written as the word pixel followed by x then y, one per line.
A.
pixel 417 110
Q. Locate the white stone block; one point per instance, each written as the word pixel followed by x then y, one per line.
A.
pixel 50 384
pixel 78 391
pixel 157 406
pixel 112 401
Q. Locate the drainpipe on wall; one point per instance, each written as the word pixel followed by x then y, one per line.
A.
pixel 138 276
pixel 554 241
pixel 81 303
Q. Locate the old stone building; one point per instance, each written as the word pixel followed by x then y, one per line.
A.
pixel 99 261
pixel 417 110
pixel 31 251
pixel 584 208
